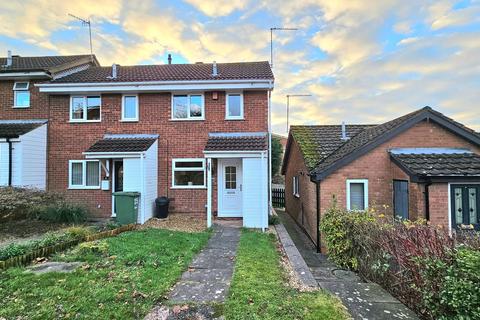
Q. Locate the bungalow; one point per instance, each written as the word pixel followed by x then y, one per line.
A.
pixel 421 165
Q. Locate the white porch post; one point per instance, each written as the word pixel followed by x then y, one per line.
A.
pixel 209 192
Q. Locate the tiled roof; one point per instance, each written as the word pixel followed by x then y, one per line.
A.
pixel 37 63
pixel 318 142
pixel 440 165
pixel 15 129
pixel 373 134
pixel 127 144
pixel 173 72
pixel 237 142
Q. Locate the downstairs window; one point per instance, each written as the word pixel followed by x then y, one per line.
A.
pixel 84 174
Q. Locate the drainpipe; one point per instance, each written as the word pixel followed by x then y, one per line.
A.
pixel 10 162
pixel 318 215
pixel 427 201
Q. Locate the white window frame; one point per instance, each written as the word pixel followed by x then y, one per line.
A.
pixel 16 90
pixel 188 118
pixel 174 161
pixel 84 175
pixel 124 119
pixel 241 117
pixel 365 192
pixel 296 186
pixel 85 110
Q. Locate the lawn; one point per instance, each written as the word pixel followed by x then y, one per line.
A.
pixel 124 282
pixel 259 291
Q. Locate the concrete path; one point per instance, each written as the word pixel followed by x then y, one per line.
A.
pixel 209 275
pixel 364 300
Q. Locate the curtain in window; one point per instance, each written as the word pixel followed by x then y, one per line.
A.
pixel 93 174
pixel 77 173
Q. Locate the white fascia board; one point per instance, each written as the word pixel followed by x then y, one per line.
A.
pixel 166 86
pixel 234 154
pixel 34 74
pixel 108 155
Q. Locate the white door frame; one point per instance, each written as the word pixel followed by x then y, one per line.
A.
pixel 114 214
pixel 221 186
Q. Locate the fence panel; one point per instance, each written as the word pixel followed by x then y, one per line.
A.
pixel 278 197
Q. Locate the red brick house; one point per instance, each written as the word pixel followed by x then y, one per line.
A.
pixel 196 133
pixel 24 113
pixel 421 165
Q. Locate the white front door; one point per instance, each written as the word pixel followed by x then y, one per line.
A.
pixel 230 188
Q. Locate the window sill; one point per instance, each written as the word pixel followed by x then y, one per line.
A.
pixel 85 121
pixel 21 107
pixel 188 187
pixel 129 120
pixel 83 188
pixel 189 119
pixel 234 119
pixel 296 195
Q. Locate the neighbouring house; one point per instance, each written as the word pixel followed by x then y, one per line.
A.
pixel 421 165
pixel 24 113
pixel 196 133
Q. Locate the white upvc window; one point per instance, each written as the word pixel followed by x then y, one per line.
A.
pixel 188 106
pixel 188 173
pixel 130 107
pixel 234 106
pixel 295 187
pixel 84 174
pixel 357 194
pixel 85 109
pixel 21 95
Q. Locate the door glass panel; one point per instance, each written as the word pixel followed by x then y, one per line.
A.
pixel 458 206
pixel 472 201
pixel 230 177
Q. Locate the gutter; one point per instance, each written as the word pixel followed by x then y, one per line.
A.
pixel 318 215
pixel 427 200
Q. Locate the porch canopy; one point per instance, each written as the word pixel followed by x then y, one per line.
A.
pixel 438 164
pixel 138 156
pixel 249 152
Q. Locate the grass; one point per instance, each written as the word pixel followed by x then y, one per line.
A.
pixel 125 283
pixel 259 291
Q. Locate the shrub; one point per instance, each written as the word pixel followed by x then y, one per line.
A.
pixel 64 212
pixel 93 247
pixel 78 233
pixel 273 219
pixel 16 203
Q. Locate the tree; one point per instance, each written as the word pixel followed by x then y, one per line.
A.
pixel 277 151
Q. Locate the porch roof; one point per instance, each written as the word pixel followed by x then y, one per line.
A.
pixel 122 143
pixel 241 141
pixel 439 165
pixel 16 128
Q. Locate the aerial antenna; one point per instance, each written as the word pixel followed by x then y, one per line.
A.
pixel 271 40
pixel 85 23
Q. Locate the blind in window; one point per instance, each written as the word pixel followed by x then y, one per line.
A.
pixel 357 196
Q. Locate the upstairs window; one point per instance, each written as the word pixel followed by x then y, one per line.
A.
pixel 85 108
pixel 130 108
pixel 188 107
pixel 21 95
pixel 188 173
pixel 357 194
pixel 234 106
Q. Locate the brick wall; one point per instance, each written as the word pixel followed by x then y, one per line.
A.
pixel 377 167
pixel 38 103
pixel 178 139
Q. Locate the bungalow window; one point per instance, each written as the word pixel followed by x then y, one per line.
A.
pixel 234 106
pixel 85 108
pixel 188 173
pixel 296 187
pixel 21 95
pixel 188 107
pixel 130 108
pixel 84 174
pixel 357 194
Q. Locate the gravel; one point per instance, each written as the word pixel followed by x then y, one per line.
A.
pixel 177 222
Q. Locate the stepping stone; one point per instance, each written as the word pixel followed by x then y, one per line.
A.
pixel 54 267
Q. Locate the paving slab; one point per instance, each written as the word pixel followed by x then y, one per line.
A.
pixel 54 267
pixel 209 275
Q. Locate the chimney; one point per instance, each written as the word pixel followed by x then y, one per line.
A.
pixel 214 69
pixel 9 58
pixel 114 72
pixel 344 132
pixel 169 58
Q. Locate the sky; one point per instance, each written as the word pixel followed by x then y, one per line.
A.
pixel 361 61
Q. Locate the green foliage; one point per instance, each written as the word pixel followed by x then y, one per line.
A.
pixel 20 203
pixel 259 291
pixel 277 151
pixel 79 232
pixel 98 247
pixel 64 212
pixel 140 268
pixel 337 227
pixel 273 219
pixel 450 289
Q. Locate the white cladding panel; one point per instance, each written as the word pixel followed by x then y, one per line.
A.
pixel 33 158
pixel 3 163
pixel 255 192
pixel 151 180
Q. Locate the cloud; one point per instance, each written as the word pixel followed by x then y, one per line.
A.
pixel 217 8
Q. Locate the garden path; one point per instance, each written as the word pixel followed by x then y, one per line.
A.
pixel 364 300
